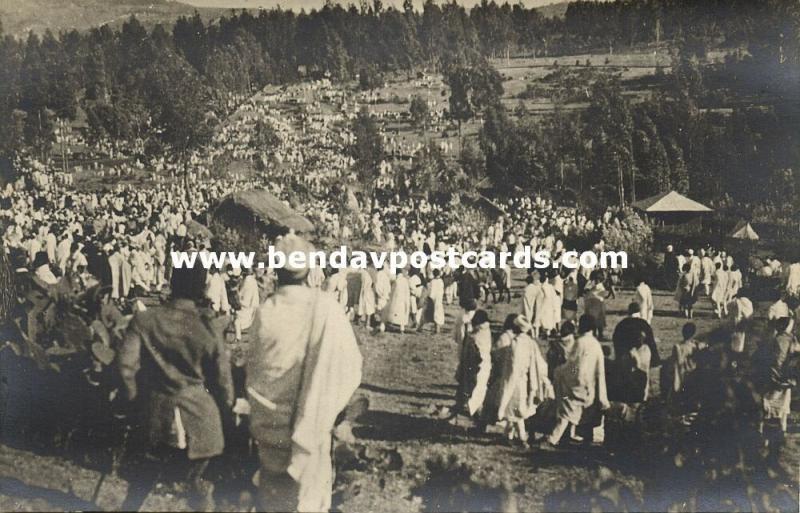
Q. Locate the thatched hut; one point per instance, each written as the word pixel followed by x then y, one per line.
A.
pixel 257 212
pixel 672 208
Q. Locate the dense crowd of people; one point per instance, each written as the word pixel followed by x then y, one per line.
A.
pixel 295 380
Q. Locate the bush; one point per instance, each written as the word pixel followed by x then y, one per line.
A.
pixel 634 235
pixel 8 296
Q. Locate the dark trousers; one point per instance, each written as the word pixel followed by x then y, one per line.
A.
pixel 146 470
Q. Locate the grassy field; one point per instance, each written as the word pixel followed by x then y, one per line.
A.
pixel 407 379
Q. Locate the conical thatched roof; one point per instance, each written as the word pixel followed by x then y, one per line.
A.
pixel 670 201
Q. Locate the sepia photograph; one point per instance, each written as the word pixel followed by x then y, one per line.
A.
pixel 363 256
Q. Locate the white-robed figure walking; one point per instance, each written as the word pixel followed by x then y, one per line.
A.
pixel 304 365
pixel 316 277
pixel 474 366
pixel 706 271
pixel 521 379
pixel 115 265
pixel 546 318
pixel 433 305
pixel 644 298
pixel 532 301
pixel 366 298
pixel 248 301
pixel 383 290
pixel 793 280
pixel 741 311
pixel 398 310
pixel 580 383
pixel 720 292
pixel 734 283
pixel 417 299
pixel 337 285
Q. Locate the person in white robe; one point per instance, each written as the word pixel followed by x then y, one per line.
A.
pixel 451 290
pixel 546 318
pixel 77 258
pixel 337 285
pixel 248 303
pixel 706 271
pixel 42 269
pixel 521 381
pixel 125 271
pixel 778 309
pixel 644 297
pixel 159 260
pixel 741 312
pixel 532 301
pixel 383 291
pixel 115 264
pixel 398 310
pixel 695 265
pixel 139 271
pixel 475 368
pixel 793 280
pixel 558 284
pixel 366 298
pixel 434 304
pixel 50 244
pixel 216 293
pixel 579 383
pixel 734 283
pixel 300 375
pixel 720 291
pixel 686 292
pixel 33 245
pixel 417 299
pixel 776 391
pixel 316 277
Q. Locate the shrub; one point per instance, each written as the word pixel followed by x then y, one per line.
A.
pixel 8 296
pixel 634 235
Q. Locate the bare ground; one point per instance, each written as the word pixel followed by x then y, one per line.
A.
pixel 406 377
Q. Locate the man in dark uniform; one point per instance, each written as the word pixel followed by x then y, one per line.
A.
pixel 627 331
pixel 468 287
pixel 175 370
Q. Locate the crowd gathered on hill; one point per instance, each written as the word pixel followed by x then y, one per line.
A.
pixel 195 346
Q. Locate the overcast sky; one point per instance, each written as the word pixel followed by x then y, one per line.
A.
pixel 310 4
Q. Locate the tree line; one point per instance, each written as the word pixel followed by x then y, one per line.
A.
pixel 159 85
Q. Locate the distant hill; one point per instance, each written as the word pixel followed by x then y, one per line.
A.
pixel 557 10
pixel 20 16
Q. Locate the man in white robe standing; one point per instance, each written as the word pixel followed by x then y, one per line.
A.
pixel 366 298
pixel 248 301
pixel 303 367
pixel 398 310
pixel 644 298
pixel 383 289
pixel 580 384
pixel 532 301
pixel 793 280
pixel 546 318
